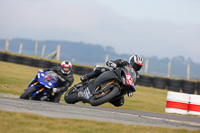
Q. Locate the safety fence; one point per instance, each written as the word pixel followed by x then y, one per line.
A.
pixel 172 84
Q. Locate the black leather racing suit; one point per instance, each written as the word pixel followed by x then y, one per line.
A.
pixel 119 101
pixel 64 81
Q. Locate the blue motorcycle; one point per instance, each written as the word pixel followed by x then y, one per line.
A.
pixel 41 87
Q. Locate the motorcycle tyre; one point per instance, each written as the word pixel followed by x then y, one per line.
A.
pixel 106 98
pixel 72 98
pixel 28 92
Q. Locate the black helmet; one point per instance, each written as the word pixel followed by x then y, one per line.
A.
pixel 66 67
pixel 136 62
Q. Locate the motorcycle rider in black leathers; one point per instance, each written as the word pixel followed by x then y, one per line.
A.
pixel 135 61
pixel 65 79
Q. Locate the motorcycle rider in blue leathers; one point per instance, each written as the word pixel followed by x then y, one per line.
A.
pixel 65 79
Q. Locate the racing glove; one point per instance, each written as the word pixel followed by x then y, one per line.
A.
pixel 55 90
pixel 111 64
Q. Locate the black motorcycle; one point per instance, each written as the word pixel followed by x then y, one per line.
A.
pixel 107 87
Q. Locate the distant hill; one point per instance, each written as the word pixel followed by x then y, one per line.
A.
pixel 91 54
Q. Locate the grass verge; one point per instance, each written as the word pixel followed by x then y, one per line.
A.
pixel 25 122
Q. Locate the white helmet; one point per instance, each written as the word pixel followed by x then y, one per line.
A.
pixel 66 67
pixel 136 62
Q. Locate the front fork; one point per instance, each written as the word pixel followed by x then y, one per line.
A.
pixel 37 92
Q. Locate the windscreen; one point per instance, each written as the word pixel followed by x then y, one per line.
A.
pixel 51 76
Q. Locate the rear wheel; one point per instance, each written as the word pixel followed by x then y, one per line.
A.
pixel 71 96
pixel 101 97
pixel 27 94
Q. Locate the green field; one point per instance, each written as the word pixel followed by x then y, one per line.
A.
pixel 14 78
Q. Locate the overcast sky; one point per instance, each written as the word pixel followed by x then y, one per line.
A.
pixel 164 28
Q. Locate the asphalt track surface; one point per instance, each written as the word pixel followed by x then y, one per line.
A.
pixel 61 110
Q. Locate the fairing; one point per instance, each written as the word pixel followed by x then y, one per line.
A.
pixel 108 75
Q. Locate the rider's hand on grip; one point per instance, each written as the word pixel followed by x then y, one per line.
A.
pixel 111 64
pixel 55 90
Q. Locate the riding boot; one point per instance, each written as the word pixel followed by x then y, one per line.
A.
pixel 88 76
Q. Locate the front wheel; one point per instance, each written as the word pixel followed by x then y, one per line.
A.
pixel 103 97
pixel 71 96
pixel 27 94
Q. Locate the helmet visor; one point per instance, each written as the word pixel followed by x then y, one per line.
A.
pixel 136 66
pixel 66 69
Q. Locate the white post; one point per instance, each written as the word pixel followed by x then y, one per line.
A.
pixel 43 49
pixel 58 52
pixel 106 59
pixel 169 69
pixel 20 48
pixel 36 47
pixel 188 71
pixel 146 66
pixel 6 45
